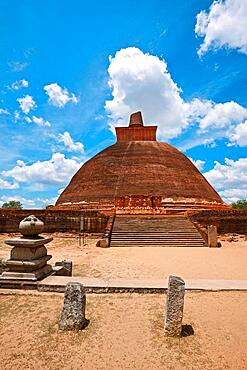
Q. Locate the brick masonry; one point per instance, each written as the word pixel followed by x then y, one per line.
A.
pixel 228 221
pixel 55 220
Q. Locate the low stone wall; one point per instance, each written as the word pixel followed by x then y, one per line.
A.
pixel 228 221
pixel 55 220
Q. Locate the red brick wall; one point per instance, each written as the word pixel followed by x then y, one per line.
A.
pixel 147 133
pixel 138 201
pixel 55 220
pixel 231 221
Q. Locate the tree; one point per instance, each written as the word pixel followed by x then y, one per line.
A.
pixel 240 204
pixel 13 204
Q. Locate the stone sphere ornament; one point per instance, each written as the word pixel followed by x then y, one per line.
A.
pixel 31 226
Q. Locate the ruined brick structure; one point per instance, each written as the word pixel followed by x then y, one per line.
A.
pixel 55 220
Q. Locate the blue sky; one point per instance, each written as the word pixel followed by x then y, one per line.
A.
pixel 72 70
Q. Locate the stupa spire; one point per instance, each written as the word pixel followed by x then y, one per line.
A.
pixel 136 119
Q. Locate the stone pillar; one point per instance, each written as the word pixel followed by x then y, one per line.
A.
pixel 174 306
pixel 212 236
pixel 73 312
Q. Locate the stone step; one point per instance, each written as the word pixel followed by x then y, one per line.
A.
pixel 148 237
pixel 168 235
pixel 175 243
pixel 156 245
pixel 154 232
pixel 172 233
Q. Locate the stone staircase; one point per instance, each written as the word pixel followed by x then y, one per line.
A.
pixel 155 231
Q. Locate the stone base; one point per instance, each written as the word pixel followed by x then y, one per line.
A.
pixel 27 266
pixel 33 275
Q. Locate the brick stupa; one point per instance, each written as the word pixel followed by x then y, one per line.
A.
pixel 139 171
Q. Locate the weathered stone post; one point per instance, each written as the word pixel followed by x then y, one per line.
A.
pixel 174 306
pixel 212 236
pixel 73 312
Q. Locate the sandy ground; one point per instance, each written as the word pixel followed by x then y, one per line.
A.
pixel 227 262
pixel 125 332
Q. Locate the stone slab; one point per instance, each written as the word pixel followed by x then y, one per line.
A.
pixel 28 242
pixel 98 285
pixel 27 276
pixel 27 266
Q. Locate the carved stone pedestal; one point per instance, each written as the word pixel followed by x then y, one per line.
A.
pixel 28 259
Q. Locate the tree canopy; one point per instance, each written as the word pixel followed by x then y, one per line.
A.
pixel 13 204
pixel 240 204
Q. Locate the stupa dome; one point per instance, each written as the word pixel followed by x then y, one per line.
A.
pixel 141 166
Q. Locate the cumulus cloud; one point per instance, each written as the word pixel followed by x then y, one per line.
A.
pixel 211 115
pixel 56 171
pixel 239 134
pixel 3 111
pixel 141 82
pixel 40 121
pixel 37 120
pixel 27 203
pixel 26 103
pixel 17 85
pixel 223 26
pixel 70 145
pixel 59 96
pixel 7 185
pixel 198 163
pixel 230 179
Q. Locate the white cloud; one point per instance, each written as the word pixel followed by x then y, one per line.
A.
pixel 17 66
pixel 224 25
pixel 7 185
pixel 17 85
pixel 230 179
pixel 40 121
pixel 37 120
pixel 3 111
pixel 233 195
pixel 221 115
pixel 26 103
pixel 27 203
pixel 59 96
pixel 141 82
pixel 68 142
pixel 239 134
pixel 198 163
pixel 56 171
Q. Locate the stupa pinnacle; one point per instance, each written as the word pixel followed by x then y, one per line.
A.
pixel 136 119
